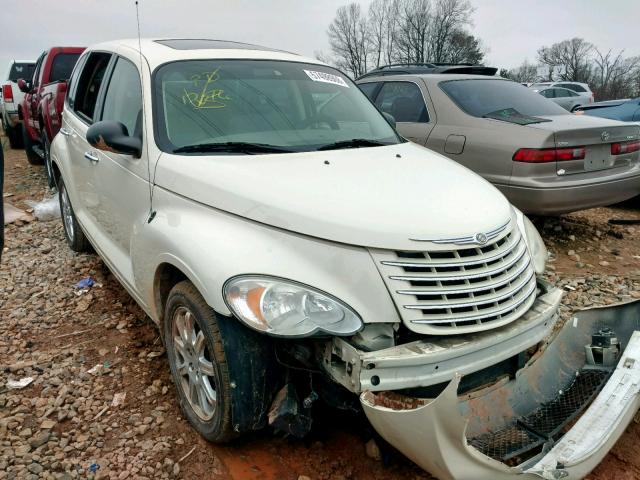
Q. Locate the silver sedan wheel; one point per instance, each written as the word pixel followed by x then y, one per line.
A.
pixel 67 214
pixel 193 364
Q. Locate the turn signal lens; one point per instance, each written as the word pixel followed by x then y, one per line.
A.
pixel 546 155
pixel 625 147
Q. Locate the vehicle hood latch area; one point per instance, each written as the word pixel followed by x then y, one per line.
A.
pixel 556 419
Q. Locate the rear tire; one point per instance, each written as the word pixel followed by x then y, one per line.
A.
pixel 15 136
pixel 32 157
pixel 76 238
pixel 44 140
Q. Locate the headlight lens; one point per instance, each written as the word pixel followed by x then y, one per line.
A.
pixel 284 308
pixel 536 245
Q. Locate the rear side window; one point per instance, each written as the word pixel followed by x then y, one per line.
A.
pixel 89 83
pixel 480 98
pixel 123 100
pixel 369 89
pixel 62 66
pixel 21 70
pixel 572 86
pixel 404 101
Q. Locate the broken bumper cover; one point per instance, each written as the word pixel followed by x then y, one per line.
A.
pixel 515 427
pixel 433 361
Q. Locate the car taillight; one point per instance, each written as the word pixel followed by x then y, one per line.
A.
pixel 7 93
pixel 544 155
pixel 625 147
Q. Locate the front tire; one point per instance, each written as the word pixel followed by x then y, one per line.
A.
pixel 32 157
pixel 76 238
pixel 198 363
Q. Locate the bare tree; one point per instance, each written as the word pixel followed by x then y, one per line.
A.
pixel 348 39
pixel 570 57
pixel 449 17
pixel 525 73
pixel 462 47
pixel 404 31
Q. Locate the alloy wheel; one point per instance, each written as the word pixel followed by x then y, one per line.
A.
pixel 193 363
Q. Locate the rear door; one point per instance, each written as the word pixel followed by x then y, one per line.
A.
pixel 79 115
pixel 405 102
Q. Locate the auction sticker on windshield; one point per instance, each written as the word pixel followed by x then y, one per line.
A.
pixel 326 78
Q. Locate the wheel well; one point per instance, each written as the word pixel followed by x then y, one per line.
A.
pixel 56 172
pixel 167 276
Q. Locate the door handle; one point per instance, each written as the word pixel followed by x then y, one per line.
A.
pixel 92 157
pixel 65 132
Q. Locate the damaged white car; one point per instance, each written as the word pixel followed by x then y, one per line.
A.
pixel 293 248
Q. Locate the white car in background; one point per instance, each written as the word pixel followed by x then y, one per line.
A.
pixel 292 247
pixel 12 99
pixel 567 99
pixel 582 89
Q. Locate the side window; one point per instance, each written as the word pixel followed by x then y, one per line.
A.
pixel 561 93
pixel 123 101
pixel 404 101
pixel 62 66
pixel 89 83
pixel 72 86
pixel 36 74
pixel 369 89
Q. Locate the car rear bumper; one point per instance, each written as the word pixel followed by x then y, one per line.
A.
pixel 517 427
pixel 557 200
pixel 12 119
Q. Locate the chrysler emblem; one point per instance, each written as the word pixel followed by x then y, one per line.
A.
pixel 480 238
pixel 604 136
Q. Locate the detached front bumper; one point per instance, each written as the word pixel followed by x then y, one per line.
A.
pixel 436 360
pixel 520 427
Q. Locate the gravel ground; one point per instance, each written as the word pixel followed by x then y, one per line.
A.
pixel 101 403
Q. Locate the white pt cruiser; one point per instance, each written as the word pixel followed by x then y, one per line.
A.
pixel 293 248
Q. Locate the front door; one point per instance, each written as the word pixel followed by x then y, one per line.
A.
pixel 122 181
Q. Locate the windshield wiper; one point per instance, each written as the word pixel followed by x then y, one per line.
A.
pixel 240 147
pixel 353 143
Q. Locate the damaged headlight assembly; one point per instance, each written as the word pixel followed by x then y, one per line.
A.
pixel 285 308
pixel 537 249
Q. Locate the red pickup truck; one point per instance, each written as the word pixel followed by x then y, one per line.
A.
pixel 41 107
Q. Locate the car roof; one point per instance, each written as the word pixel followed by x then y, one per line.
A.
pixel 162 50
pixel 430 77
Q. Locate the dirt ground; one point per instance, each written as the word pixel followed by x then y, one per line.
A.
pixel 84 351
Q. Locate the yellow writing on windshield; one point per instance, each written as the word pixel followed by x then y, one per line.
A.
pixel 205 96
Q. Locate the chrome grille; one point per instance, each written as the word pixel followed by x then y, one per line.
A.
pixel 462 290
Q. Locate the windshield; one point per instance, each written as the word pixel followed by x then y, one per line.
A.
pixel 21 70
pixel 482 98
pixel 288 105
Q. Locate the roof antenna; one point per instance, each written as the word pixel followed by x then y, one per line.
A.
pixel 152 213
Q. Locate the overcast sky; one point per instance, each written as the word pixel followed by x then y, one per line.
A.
pixel 511 30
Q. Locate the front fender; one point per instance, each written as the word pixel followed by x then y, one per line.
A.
pixel 210 246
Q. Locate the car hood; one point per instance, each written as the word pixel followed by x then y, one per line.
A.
pixel 379 197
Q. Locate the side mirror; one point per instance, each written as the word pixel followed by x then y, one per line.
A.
pixel 390 119
pixel 111 136
pixel 24 86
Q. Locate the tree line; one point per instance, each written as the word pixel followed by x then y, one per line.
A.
pixel 610 75
pixel 402 31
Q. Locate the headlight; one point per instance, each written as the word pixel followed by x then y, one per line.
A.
pixel 285 308
pixel 536 245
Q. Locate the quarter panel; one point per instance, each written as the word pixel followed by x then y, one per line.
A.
pixel 210 246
